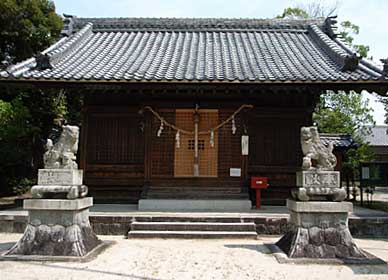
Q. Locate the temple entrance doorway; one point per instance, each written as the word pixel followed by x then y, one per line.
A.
pixel 196 154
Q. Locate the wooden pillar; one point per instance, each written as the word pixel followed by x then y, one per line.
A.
pixel 84 137
pixel 147 153
pixel 244 157
pixel 196 155
pixel 244 174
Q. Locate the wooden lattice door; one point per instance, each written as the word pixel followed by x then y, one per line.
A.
pixel 208 154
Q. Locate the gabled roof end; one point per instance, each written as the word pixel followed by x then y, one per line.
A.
pixel 42 61
pixel 329 26
pixel 385 67
pixel 68 23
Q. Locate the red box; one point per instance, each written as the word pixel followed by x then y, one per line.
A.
pixel 259 182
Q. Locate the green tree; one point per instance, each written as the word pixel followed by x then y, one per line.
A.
pixel 293 13
pixel 26 114
pixel 26 27
pixel 347 29
pixel 341 112
pixel 344 112
pixel 348 113
pixel 26 118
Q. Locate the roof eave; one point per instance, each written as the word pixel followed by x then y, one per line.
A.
pixel 378 86
pixel 339 81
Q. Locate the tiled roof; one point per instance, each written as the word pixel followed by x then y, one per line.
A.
pixel 379 136
pixel 338 140
pixel 236 50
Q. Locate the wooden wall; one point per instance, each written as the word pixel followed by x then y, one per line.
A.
pixel 121 153
pixel 162 152
pixel 114 157
pixel 275 152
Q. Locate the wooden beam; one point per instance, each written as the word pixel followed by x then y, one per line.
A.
pixel 84 138
pixel 147 148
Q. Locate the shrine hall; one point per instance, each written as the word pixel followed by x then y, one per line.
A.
pixel 183 110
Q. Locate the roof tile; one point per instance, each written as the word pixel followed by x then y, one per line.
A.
pixel 242 50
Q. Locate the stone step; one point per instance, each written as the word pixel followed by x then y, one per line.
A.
pixel 195 195
pixel 192 219
pixel 192 234
pixel 175 205
pixel 192 226
pixel 199 182
pixel 196 191
pixel 215 191
pixel 201 189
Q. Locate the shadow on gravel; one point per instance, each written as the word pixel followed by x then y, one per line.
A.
pixel 101 272
pixel 5 246
pixel 258 248
pixel 369 269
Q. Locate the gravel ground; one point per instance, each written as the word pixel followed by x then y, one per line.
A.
pixel 381 194
pixel 190 259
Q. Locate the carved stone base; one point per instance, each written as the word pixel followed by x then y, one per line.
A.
pixel 57 228
pixel 319 230
pixel 60 177
pixel 69 192
pixel 59 183
pixel 318 185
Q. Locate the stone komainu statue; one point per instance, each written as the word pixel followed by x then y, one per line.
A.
pixel 61 177
pixel 314 149
pixel 318 182
pixel 62 155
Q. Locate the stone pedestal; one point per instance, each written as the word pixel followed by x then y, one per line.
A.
pixel 318 185
pixel 57 227
pixel 319 230
pixel 59 183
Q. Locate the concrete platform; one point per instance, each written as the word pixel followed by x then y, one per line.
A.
pixel 130 210
pixel 195 205
pixel 116 219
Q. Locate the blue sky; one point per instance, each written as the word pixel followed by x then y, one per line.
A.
pixel 371 16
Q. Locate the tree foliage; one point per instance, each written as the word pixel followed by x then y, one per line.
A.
pixel 26 114
pixel 347 32
pixel 341 112
pixel 348 113
pixel 293 13
pixel 26 118
pixel 344 112
pixel 26 27
pixel 318 9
